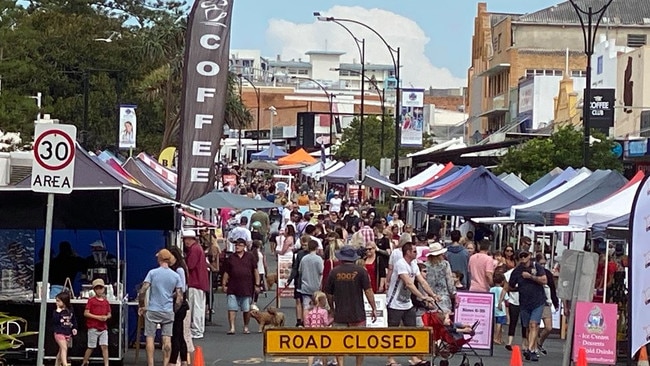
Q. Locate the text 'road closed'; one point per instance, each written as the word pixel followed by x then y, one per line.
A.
pixel 346 341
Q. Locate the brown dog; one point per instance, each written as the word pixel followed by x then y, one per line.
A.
pixel 271 279
pixel 267 319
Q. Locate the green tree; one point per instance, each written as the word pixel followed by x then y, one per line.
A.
pixel 562 149
pixel 349 147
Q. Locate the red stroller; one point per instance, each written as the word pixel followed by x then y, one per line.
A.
pixel 447 343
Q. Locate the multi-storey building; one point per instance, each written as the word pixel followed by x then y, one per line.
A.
pixel 507 47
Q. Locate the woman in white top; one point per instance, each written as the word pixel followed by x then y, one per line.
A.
pixel 396 221
pixel 256 250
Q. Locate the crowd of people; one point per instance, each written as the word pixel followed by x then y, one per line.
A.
pixel 345 250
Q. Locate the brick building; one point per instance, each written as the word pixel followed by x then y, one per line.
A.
pixel 508 47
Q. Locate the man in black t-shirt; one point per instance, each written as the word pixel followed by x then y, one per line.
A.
pixel 346 285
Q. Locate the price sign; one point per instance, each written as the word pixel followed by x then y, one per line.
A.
pixel 54 152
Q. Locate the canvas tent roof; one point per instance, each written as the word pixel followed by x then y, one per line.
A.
pixel 597 186
pixel 374 179
pixel 451 175
pixel 422 177
pixel 616 205
pixel 311 170
pixel 347 174
pixel 270 153
pixel 148 179
pixel 96 182
pixel 535 201
pixel 479 194
pixel 514 182
pixel 601 230
pixel 299 156
pixel 568 174
pixel 540 183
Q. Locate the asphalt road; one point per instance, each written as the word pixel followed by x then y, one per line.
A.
pixel 247 349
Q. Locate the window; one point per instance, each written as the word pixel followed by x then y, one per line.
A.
pixel 578 73
pixel 303 72
pixel 636 40
pixel 543 72
pixel 599 65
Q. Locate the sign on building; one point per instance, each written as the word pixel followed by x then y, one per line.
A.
pixel 601 109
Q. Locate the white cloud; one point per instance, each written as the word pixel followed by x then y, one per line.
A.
pixel 292 40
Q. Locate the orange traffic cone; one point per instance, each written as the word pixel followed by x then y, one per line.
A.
pixel 643 357
pixel 515 357
pixel 582 357
pixel 198 356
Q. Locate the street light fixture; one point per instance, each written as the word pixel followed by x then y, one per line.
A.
pixel 381 100
pixel 589 30
pixel 330 98
pixel 259 106
pixel 395 56
pixel 361 46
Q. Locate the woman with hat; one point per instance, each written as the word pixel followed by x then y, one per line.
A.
pixel 439 276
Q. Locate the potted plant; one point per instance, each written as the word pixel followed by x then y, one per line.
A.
pixel 9 340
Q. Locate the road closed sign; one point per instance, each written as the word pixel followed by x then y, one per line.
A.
pixel 54 153
pixel 347 341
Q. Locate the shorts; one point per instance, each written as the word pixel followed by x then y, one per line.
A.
pixel 306 301
pixel 94 335
pixel 531 315
pixel 154 318
pixel 547 313
pixel 405 317
pixel 61 337
pixel 501 320
pixel 297 295
pixel 236 303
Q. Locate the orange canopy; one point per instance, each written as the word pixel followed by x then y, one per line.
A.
pixel 298 157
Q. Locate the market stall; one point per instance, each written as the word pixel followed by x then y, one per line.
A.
pixel 105 223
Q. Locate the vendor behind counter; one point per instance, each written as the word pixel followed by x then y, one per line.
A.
pixel 67 264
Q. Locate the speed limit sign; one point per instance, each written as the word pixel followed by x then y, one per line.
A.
pixel 54 153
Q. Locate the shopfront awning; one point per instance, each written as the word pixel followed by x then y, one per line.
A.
pixel 493 70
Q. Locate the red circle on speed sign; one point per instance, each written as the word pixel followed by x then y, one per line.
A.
pixel 53 150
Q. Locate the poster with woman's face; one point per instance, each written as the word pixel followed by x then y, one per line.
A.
pixel 128 125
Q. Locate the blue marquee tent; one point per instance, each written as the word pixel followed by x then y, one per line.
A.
pixel 443 181
pixel 481 194
pixel 347 174
pixel 539 184
pixel 270 153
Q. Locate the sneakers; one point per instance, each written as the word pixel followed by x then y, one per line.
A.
pixel 527 355
pixel 332 363
pixel 317 362
pixel 542 350
pixel 534 357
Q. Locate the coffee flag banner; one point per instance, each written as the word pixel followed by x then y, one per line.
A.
pixel 205 89
pixel 639 273
pixel 412 117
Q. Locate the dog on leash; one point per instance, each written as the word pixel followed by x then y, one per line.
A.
pixel 271 279
pixel 267 319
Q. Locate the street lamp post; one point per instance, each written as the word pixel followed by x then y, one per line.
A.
pixel 330 99
pixel 395 56
pixel 239 147
pixel 259 107
pixel 589 30
pixel 382 96
pixel 274 113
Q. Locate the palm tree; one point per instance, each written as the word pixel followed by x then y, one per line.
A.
pixel 164 45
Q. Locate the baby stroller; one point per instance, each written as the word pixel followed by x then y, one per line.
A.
pixel 446 342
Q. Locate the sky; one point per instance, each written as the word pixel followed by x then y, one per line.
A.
pixel 435 39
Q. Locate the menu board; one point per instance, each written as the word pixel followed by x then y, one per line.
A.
pixel 473 307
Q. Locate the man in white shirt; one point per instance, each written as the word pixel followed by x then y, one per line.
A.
pixel 404 277
pixel 240 232
pixel 335 203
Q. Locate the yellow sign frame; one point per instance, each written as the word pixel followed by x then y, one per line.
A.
pixel 347 341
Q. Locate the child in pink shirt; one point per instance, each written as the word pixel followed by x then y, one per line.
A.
pixel 318 317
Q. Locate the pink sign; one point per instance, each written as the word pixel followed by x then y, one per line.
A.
pixel 472 307
pixel 595 331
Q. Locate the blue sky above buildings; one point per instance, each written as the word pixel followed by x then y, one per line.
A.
pixel 435 36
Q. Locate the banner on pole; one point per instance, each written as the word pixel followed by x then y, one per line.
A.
pixel 205 89
pixel 128 127
pixel 640 268
pixel 412 117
